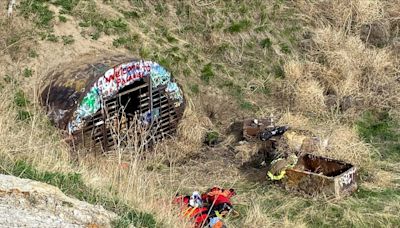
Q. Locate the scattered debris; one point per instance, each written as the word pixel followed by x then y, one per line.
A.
pixel 293 163
pixel 98 102
pixel 261 129
pixel 207 209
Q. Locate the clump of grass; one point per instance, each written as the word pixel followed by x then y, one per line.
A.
pixel 68 39
pixel 239 26
pixel 23 115
pixel 62 18
pixel 266 43
pixel 207 73
pixel 66 5
pixel 20 99
pixel 9 79
pixel 39 11
pixel 51 37
pixel 195 89
pixel 379 129
pixel 278 71
pixel 130 14
pixel 27 73
pixel 212 138
pixel 247 105
pixel 32 53
pixel 129 42
pixel 285 48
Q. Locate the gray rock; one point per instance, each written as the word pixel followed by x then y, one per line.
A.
pixel 28 203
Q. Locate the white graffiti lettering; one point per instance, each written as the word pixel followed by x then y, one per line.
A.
pixel 347 178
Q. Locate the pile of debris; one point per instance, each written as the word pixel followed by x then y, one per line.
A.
pixel 290 161
pixel 207 209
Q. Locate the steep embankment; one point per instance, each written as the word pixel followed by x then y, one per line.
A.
pixel 328 68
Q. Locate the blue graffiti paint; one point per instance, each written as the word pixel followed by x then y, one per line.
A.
pixel 174 92
pixel 117 78
pixel 159 75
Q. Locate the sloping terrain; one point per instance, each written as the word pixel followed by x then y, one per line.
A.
pixel 328 68
pixel 35 204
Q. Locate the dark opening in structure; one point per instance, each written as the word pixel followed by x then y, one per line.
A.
pixel 114 104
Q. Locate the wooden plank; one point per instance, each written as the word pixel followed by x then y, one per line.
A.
pixel 133 89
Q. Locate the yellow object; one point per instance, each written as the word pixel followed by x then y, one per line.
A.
pixel 278 177
pixel 291 162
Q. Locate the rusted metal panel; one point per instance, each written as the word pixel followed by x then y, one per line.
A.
pixel 317 175
pixel 99 97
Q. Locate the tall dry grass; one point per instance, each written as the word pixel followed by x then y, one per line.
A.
pixel 123 173
pixel 339 66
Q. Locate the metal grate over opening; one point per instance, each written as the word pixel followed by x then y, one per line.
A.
pixel 125 116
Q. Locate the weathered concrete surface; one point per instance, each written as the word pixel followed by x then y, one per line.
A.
pixel 27 203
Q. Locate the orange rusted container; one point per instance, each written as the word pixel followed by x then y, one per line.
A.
pixel 321 176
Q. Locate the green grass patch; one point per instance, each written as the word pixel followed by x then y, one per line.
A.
pixel 382 131
pixel 38 10
pixel 51 37
pixel 68 39
pixel 32 53
pixel 195 89
pixel 207 73
pixel 129 42
pixel 66 5
pixel 247 105
pixel 27 73
pixel 62 18
pixel 278 71
pixel 98 22
pixel 239 26
pixel 130 14
pixel 24 115
pixel 212 138
pixel 285 48
pixel 20 99
pixel 266 43
pixel 73 185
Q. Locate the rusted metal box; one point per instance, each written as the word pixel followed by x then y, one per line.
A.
pixel 317 175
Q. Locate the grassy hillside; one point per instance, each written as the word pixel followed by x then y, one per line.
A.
pixel 330 68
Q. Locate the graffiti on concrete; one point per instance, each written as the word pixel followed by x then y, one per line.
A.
pixel 90 103
pixel 117 78
pixel 174 93
pixel 159 76
pixel 347 178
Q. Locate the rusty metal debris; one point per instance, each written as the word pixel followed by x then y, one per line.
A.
pixel 261 129
pixel 311 175
pixel 95 99
pixel 317 175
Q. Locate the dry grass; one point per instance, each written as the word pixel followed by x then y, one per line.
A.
pixel 343 142
pixel 244 66
pixel 345 65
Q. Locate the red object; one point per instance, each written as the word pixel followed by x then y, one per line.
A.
pixel 214 197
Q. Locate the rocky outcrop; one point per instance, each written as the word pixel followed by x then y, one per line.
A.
pixel 27 203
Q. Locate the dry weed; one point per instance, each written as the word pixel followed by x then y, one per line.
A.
pixel 309 97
